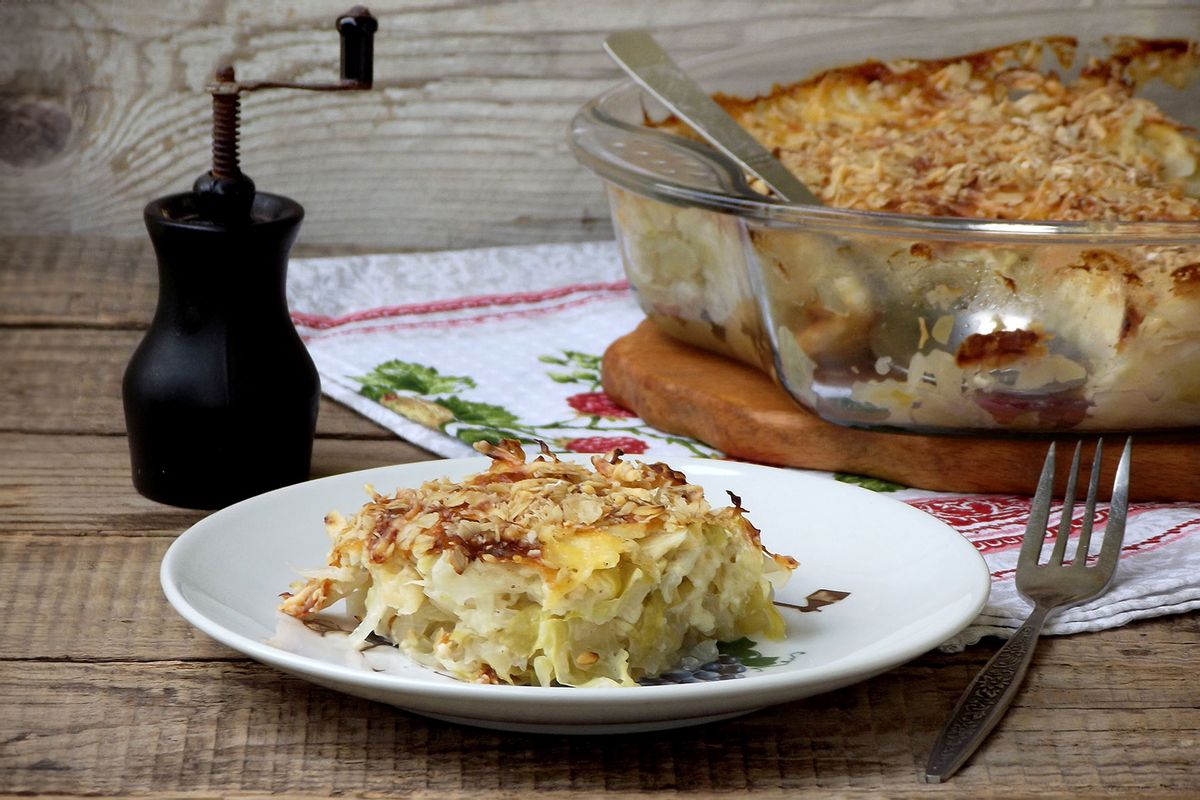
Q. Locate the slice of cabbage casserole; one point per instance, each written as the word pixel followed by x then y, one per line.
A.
pixel 548 571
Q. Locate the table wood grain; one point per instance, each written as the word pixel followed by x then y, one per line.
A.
pixel 105 691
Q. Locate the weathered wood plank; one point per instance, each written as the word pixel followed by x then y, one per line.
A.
pixel 106 691
pixel 80 485
pixel 460 144
pixel 239 727
pixel 90 281
pixel 115 578
pixel 57 380
pixel 92 598
pixel 77 281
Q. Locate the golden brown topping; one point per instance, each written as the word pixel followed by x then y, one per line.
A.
pixel 995 349
pixel 1130 322
pixel 989 135
pixel 1135 61
pixel 515 509
pixel 508 451
pixel 488 676
pixel 787 562
pixel 670 477
pixel 548 571
pixel 1107 261
pixel 312 597
pixel 1187 278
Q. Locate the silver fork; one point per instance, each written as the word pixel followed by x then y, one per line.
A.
pixel 1049 587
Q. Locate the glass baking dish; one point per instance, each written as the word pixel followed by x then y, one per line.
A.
pixel 868 318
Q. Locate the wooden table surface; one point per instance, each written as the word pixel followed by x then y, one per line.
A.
pixel 105 690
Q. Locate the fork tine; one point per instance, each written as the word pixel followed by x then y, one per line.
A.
pixel 1039 515
pixel 1089 510
pixel 1114 531
pixel 1068 509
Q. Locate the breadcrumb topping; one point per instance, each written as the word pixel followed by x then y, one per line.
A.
pixel 515 507
pixel 549 572
pixel 513 510
pixel 989 135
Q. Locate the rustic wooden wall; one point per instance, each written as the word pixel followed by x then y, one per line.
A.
pixel 102 107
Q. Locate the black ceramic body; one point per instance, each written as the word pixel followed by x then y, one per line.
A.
pixel 221 395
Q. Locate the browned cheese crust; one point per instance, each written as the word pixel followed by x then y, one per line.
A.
pixel 989 135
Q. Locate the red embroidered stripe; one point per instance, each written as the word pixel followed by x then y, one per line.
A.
pixel 322 322
pixel 457 322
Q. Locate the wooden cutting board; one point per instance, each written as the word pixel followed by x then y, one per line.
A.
pixel 739 410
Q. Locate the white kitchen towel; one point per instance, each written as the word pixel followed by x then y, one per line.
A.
pixel 448 348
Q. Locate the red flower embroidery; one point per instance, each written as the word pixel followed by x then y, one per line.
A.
pixel 602 444
pixel 598 404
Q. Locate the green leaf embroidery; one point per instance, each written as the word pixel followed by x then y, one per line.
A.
pixel 396 375
pixel 874 484
pixel 579 376
pixel 585 360
pixel 585 367
pixel 743 649
pixel 474 413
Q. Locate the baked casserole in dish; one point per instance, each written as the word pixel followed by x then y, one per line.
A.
pixel 1011 235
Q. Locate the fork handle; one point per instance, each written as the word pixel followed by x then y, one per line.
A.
pixel 985 700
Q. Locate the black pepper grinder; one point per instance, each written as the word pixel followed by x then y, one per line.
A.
pixel 221 395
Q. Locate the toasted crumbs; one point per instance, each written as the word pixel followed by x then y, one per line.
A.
pixel 787 562
pixel 1186 277
pixel 988 135
pixel 510 511
pixel 488 676
pixel 313 596
pixel 921 250
pixel 548 572
pixel 998 348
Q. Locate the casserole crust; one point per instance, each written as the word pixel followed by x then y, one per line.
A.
pixel 550 572
pixel 990 136
pixel 875 328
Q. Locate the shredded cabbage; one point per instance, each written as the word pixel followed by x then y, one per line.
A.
pixel 548 572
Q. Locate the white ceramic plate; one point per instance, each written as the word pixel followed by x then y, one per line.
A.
pixel 912 581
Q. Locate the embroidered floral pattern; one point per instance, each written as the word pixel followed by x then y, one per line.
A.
pixel 602 444
pixel 598 404
pixel 867 482
pixel 595 424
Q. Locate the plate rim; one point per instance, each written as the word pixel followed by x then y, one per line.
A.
pixel 766 689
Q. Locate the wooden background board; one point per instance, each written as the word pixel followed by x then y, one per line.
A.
pixel 741 411
pixel 105 691
pixel 461 143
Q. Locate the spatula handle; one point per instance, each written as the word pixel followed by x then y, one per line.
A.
pixel 640 56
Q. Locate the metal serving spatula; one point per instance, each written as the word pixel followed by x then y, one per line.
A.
pixel 640 56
